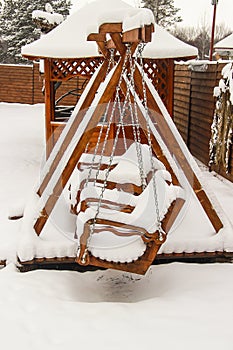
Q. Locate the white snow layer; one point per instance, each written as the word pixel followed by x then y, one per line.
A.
pixel 60 42
pixel 174 305
pixel 224 44
pixel 188 306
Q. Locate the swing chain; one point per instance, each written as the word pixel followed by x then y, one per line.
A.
pixel 85 254
pixel 137 137
pixel 110 63
pixel 115 103
pixel 160 229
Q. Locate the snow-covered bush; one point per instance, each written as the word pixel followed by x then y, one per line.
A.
pixel 222 126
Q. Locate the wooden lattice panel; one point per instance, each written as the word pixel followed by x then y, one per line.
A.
pixel 151 69
pixel 158 73
pixel 65 69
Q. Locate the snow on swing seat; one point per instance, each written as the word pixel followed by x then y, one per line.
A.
pixel 127 166
pixel 130 155
pixel 125 170
pixel 128 246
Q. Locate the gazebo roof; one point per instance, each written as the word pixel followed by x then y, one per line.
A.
pixel 69 39
pixel 165 45
pixel 225 44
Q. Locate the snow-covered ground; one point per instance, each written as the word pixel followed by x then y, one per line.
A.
pixel 185 306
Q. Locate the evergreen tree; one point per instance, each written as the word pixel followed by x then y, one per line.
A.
pixel 17 27
pixel 164 11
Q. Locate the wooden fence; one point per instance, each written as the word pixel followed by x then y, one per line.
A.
pixel 24 84
pixel 193 99
pixel 16 84
pixel 194 106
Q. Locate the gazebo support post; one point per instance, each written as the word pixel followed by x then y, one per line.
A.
pixel 49 106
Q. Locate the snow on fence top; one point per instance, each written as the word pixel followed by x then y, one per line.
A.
pixel 69 39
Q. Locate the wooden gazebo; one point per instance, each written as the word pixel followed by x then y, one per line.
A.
pixel 224 48
pixel 67 55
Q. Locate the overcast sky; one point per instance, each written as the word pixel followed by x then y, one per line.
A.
pixel 193 11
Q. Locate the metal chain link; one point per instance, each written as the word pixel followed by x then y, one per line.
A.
pixel 160 229
pixel 112 153
pixel 110 63
pixel 131 84
pixel 115 104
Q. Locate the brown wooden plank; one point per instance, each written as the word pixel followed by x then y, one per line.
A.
pixel 183 85
pixel 202 111
pixel 181 76
pixel 203 98
pixel 49 105
pixel 180 92
pixel 203 83
pixel 110 28
pixel 199 132
pixel 182 104
pixel 201 118
pixel 205 91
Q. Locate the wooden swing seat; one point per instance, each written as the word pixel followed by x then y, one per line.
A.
pixel 119 227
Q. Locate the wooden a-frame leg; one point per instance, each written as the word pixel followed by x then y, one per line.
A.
pixel 155 145
pixel 175 149
pixel 86 103
pixel 80 147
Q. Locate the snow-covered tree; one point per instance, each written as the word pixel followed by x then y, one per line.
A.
pixel 199 36
pixel 222 126
pixel 166 14
pixel 17 27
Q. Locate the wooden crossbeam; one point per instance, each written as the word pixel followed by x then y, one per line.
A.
pixel 109 28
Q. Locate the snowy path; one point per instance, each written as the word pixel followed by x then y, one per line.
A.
pixel 185 306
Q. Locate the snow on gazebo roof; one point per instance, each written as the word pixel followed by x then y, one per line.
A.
pixel 69 39
pixel 165 45
pixel 225 44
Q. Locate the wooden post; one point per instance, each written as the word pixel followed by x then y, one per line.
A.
pixel 170 86
pixel 49 106
pixel 212 32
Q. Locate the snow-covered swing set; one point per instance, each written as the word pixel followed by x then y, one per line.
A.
pixel 123 203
